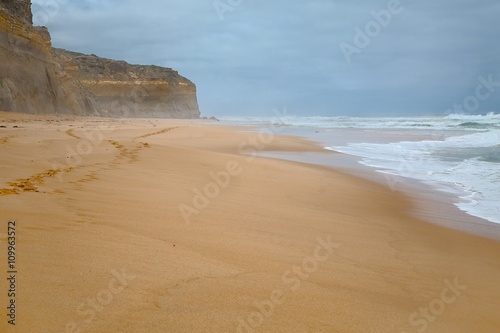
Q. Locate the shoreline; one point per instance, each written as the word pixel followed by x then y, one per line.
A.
pixel 273 245
pixel 431 203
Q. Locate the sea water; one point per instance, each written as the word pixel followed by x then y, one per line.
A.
pixel 460 153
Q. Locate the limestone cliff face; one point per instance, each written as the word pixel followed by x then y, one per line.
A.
pixel 30 81
pixel 124 90
pixel 35 78
pixel 18 8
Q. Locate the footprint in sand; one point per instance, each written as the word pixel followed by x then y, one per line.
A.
pixel 29 184
pixel 72 134
pixel 5 139
pixel 165 130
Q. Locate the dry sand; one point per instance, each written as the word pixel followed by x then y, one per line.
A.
pixel 102 246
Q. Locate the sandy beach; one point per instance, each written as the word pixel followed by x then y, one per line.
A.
pixel 174 226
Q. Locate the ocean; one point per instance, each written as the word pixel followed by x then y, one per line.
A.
pixel 456 154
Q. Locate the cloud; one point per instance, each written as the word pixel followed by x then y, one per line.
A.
pixel 270 54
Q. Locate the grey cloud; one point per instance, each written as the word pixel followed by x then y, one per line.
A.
pixel 270 54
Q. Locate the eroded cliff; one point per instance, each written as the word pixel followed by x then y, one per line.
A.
pixel 125 90
pixel 35 78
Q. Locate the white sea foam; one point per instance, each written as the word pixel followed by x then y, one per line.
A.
pixel 466 165
pixel 452 121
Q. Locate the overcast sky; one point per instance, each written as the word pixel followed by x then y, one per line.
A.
pixel 248 57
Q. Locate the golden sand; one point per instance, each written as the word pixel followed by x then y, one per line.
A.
pixel 166 226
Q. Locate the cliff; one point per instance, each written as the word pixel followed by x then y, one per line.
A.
pixel 30 81
pixel 125 90
pixel 18 8
pixel 35 78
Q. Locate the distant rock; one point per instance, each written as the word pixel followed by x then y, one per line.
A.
pixel 211 118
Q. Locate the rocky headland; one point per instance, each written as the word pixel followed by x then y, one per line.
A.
pixel 125 90
pixel 36 78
